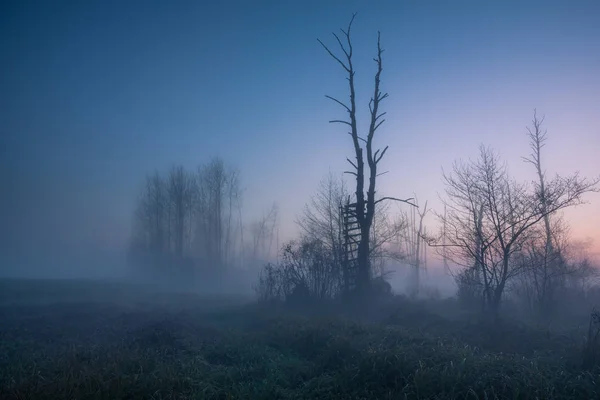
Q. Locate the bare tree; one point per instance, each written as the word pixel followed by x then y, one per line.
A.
pixel 543 274
pixel 306 272
pixel 544 265
pixel 444 236
pixel 386 229
pixel 263 232
pixel 416 247
pixel 154 205
pixel 218 196
pixel 321 219
pixel 234 205
pixel 149 244
pixel 490 217
pixel 365 207
pixel 462 234
pixel 188 222
pixel 181 189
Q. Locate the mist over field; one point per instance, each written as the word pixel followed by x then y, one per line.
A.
pixel 276 200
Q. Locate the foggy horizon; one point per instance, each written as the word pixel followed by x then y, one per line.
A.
pixel 269 199
pixel 94 96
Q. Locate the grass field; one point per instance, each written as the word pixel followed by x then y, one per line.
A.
pixel 93 340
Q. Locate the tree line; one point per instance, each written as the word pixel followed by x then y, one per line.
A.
pixel 194 220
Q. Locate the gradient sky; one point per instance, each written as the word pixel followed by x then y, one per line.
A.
pixel 95 94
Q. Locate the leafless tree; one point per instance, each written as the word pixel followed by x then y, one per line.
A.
pixel 308 263
pixel 321 218
pixel 415 246
pixel 187 226
pixel 153 208
pixel 365 207
pixel 386 229
pixel 586 271
pixel 544 275
pixel 462 230
pixel 218 196
pixel 180 191
pixel 149 245
pixel 490 217
pixel 546 266
pixel 263 234
pixel 305 272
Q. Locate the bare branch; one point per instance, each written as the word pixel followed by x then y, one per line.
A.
pixel 334 56
pixel 339 102
pixel 340 43
pixel 351 163
pixel 339 121
pixel 407 201
pixel 377 159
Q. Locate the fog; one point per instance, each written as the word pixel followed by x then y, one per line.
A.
pixel 229 201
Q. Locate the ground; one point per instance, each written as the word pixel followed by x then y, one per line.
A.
pixel 95 340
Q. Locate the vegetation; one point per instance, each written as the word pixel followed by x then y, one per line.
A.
pixel 97 341
pixel 312 334
pixel 324 322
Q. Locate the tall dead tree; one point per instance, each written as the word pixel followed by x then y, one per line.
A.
pixel 365 206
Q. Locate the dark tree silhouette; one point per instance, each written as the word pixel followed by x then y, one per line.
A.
pixel 365 205
pixel 490 217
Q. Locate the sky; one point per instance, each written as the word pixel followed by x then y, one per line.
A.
pixel 96 94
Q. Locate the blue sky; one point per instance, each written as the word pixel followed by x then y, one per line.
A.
pixel 95 94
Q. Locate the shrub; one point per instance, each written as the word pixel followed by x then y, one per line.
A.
pixel 591 351
pixel 307 270
pixel 469 293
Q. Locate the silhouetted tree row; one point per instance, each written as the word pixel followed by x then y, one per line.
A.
pixel 193 219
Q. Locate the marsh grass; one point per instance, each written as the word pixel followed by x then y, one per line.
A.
pixel 193 347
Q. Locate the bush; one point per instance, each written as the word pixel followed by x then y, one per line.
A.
pixel 431 293
pixel 270 286
pixel 380 288
pixel 591 351
pixel 307 271
pixel 469 292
